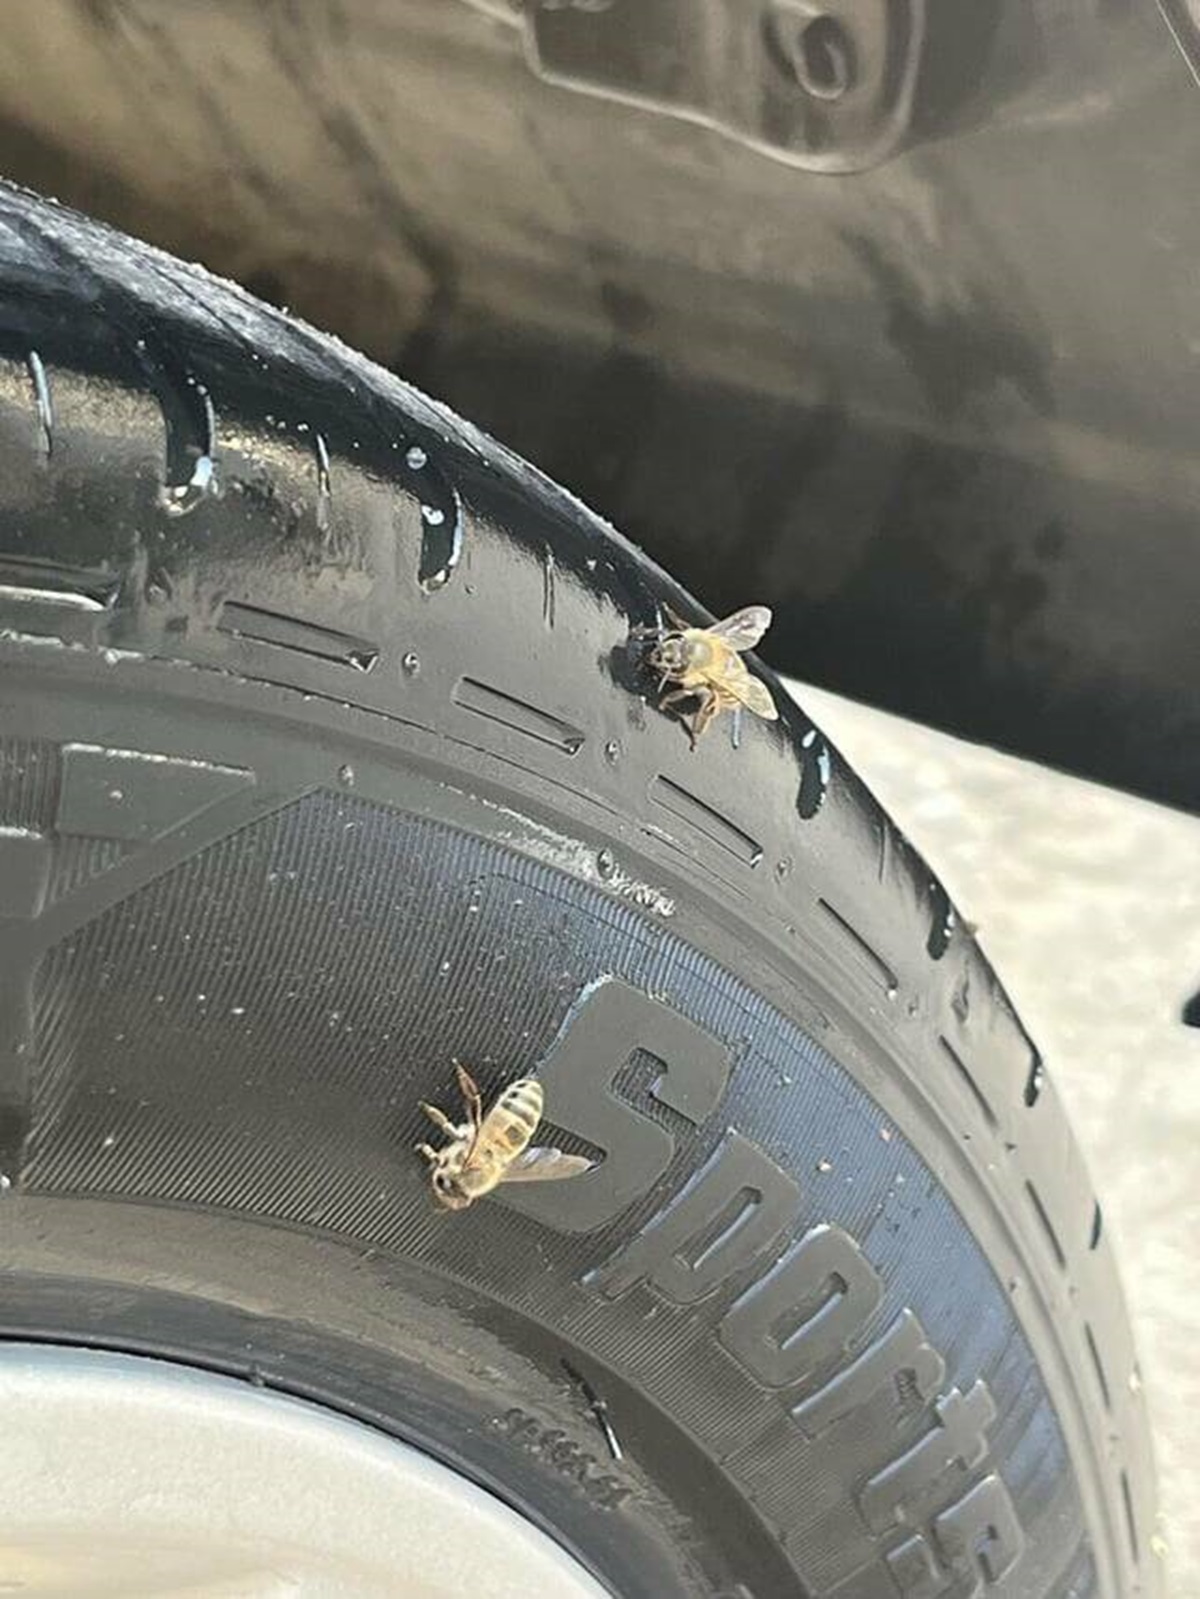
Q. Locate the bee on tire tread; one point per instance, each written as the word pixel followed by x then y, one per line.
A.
pixel 493 1147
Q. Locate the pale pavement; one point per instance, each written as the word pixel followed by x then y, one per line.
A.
pixel 1088 904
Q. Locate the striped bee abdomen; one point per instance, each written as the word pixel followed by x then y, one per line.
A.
pixel 520 1108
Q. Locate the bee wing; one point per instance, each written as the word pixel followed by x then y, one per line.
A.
pixel 749 691
pixel 545 1165
pixel 744 628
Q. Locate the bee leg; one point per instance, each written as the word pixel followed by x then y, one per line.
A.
pixel 472 1098
pixel 440 1120
pixel 676 621
pixel 677 697
pixel 710 704
pixel 429 1154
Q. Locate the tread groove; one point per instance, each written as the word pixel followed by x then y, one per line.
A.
pixel 293 633
pixel 977 1093
pixel 42 400
pixel 1130 1519
pixel 815 775
pixel 516 714
pixel 1043 1215
pixel 869 957
pixel 942 921
pixel 685 807
pixel 324 482
pixel 1098 1365
pixel 441 538
pixel 1035 1082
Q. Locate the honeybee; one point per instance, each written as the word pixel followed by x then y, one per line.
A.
pixel 487 1150
pixel 705 664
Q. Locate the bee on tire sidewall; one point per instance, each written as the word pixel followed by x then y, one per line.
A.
pixel 704 665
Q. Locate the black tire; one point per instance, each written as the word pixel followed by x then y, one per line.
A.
pixel 298 805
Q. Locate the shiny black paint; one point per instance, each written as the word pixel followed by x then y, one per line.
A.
pixel 939 411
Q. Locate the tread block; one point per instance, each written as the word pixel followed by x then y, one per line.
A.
pixel 25 858
pixel 134 795
pixel 26 578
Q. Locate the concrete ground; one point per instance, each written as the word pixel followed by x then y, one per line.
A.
pixel 1088 903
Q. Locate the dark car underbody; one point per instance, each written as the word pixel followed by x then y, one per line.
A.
pixel 883 312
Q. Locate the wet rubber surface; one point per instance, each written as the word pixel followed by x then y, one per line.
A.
pixel 1088 900
pixel 291 825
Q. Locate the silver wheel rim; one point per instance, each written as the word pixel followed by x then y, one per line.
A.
pixel 123 1476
